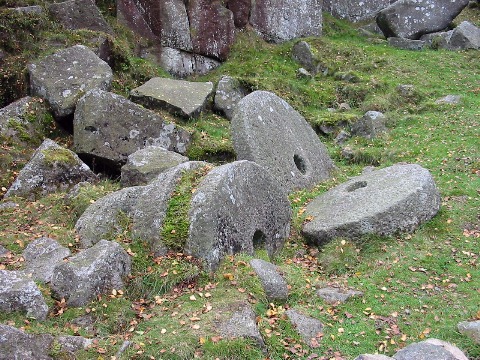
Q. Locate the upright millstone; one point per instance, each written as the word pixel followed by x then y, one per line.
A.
pixel 268 131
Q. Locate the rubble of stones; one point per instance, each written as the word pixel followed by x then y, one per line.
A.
pixel 236 207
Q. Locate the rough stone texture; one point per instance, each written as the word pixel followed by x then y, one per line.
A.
pixel 273 283
pixel 50 169
pixel 470 329
pixel 413 18
pixel 212 28
pixel 237 207
pixel 35 9
pixel 303 54
pixel 282 20
pixel 465 36
pixel 130 14
pixel 309 328
pixel 104 216
pixel 373 357
pixel 424 351
pixel 406 44
pixel 8 205
pixel 240 10
pixel 79 14
pixel 19 293
pixel 64 77
pixel 180 97
pixel 229 92
pixel 450 100
pixel 18 345
pixel 242 324
pixel 267 130
pixel 91 272
pixel 173 25
pixel 41 256
pixel 354 11
pixel 181 64
pixel 437 40
pixel 455 351
pixel 3 250
pixel 334 295
pixel 73 344
pixel 386 201
pixel 109 127
pixel 152 205
pixel 146 164
pixel 370 125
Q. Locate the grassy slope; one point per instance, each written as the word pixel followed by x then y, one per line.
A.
pixel 416 286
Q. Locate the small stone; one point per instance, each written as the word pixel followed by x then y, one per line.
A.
pixel 470 329
pixel 273 283
pixel 334 295
pixel 449 100
pixel 309 328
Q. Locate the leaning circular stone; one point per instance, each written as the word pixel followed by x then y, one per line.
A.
pixel 237 207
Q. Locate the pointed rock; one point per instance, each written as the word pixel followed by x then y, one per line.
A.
pixel 273 283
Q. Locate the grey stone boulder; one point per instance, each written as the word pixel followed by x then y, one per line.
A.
pixel 449 100
pixel 273 283
pixel 386 201
pixel 181 63
pixel 373 357
pixel 3 250
pixel 227 95
pixel 109 127
pixel 333 295
pixel 309 328
pixel 171 24
pixel 18 292
pixel 406 44
pixel 72 344
pixel 465 36
pixel 240 10
pixel 413 18
pixel 34 9
pixel 146 164
pixel 151 207
pixel 370 125
pixel 18 345
pixel 64 77
pixel 94 271
pixel 51 168
pixel 452 349
pixel 303 53
pixel 283 20
pixel 79 14
pixel 354 11
pixel 470 329
pixel 424 351
pixel 437 40
pixel 105 216
pixel 237 207
pixel 179 97
pixel 267 130
pixel 41 256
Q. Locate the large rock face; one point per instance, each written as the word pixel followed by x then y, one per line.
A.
pixel 181 63
pixel 354 11
pixel 396 198
pixel 237 207
pixel 267 130
pixel 282 20
pixel 173 25
pixel 64 77
pixel 465 36
pixel 16 344
pixel 240 10
pixel 109 127
pixel 413 18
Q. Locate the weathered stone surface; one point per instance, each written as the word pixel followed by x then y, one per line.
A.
pixel 452 349
pixel 393 199
pixel 19 293
pixel 242 324
pixel 173 25
pixel 333 295
pixel 109 127
pixel 229 92
pixel 308 327
pixel 181 64
pixel 91 272
pixel 373 357
pixel 370 125
pixel 240 10
pixel 79 14
pixel 8 205
pixel 282 20
pixel 73 344
pixel 465 36
pixel 50 169
pixel 449 99
pixel 152 205
pixel 354 11
pixel 105 216
pixel 130 13
pixel 303 54
pixel 424 351
pixel 146 164
pixel 180 97
pixel 272 281
pixel 212 28
pixel 41 256
pixel 413 18
pixel 237 207
pixel 34 9
pixel 267 130
pixel 437 40
pixel 16 344
pixel 470 329
pixel 3 250
pixel 64 77
pixel 406 44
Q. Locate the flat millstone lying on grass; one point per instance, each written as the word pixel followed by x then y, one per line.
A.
pixel 385 201
pixel 273 283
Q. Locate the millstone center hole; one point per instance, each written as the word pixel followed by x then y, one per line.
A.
pixel 259 240
pixel 357 185
pixel 300 163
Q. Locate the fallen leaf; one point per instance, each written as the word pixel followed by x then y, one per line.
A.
pixel 228 276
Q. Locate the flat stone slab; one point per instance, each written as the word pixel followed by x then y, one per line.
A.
pixel 273 283
pixel 179 97
pixel 470 329
pixel 333 295
pixel 309 328
pixel 449 100
pixel 385 201
pixel 267 130
pixel 237 207
pixel 64 77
